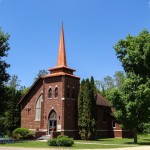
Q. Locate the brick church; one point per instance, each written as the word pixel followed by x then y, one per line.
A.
pixel 50 105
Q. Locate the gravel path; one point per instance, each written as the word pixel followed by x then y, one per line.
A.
pixel 127 148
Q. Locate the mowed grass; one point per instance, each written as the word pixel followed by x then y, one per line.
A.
pixel 79 144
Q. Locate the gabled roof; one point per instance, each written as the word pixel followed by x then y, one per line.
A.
pixel 102 101
pixel 36 81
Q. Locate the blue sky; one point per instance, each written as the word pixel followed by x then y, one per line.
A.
pixel 91 27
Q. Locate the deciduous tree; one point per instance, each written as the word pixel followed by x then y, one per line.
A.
pixel 132 102
pixel 41 73
pixel 4 47
pixel 4 76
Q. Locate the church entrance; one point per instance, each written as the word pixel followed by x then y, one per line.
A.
pixel 52 121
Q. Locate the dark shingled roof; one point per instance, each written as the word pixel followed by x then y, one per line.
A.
pixel 102 101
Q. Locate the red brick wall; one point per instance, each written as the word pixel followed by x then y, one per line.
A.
pixel 107 125
pixel 53 103
pixel 105 129
pixel 28 106
pixel 66 109
pixel 70 104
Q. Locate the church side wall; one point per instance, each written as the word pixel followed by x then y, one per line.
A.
pixel 106 128
pixel 28 107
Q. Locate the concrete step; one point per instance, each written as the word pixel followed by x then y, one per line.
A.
pixel 44 137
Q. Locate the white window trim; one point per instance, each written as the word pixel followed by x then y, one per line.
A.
pixel 38 108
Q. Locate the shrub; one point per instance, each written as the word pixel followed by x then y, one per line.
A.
pixel 52 142
pixel 22 133
pixel 64 141
pixel 146 127
pixel 61 141
pixel 62 136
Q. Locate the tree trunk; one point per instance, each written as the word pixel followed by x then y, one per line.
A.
pixel 135 136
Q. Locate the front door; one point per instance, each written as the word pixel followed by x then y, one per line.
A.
pixel 52 125
pixel 52 121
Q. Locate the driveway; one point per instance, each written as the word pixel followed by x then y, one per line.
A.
pixel 127 148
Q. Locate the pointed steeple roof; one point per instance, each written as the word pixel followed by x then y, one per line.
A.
pixel 61 61
pixel 61 68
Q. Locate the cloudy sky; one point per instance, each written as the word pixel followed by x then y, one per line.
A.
pixel 92 28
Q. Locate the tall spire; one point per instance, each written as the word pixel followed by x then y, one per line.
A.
pixel 62 52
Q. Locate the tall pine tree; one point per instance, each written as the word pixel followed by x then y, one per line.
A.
pixel 87 109
pixel 80 104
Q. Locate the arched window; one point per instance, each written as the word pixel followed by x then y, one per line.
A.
pixel 50 93
pixel 68 92
pixel 52 115
pixel 73 93
pixel 56 92
pixel 38 108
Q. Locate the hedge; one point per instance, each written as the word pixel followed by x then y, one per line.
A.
pixel 23 133
pixel 61 141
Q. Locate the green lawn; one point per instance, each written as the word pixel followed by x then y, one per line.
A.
pixel 100 143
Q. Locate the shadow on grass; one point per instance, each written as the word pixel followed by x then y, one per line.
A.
pixel 103 140
pixel 144 143
pixel 147 140
pixel 139 143
pixel 128 143
pixel 96 140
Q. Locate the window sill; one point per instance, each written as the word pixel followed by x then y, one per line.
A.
pixel 37 120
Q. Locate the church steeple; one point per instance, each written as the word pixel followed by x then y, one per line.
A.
pixel 61 68
pixel 62 52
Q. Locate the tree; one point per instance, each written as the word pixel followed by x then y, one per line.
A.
pixel 86 109
pixel 119 79
pixel 109 83
pixel 105 85
pixel 93 98
pixel 41 73
pixel 24 90
pixel 98 85
pixel 14 82
pixel 10 119
pixel 4 47
pixel 134 54
pixel 4 76
pixel 12 115
pixel 80 105
pixel 132 102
